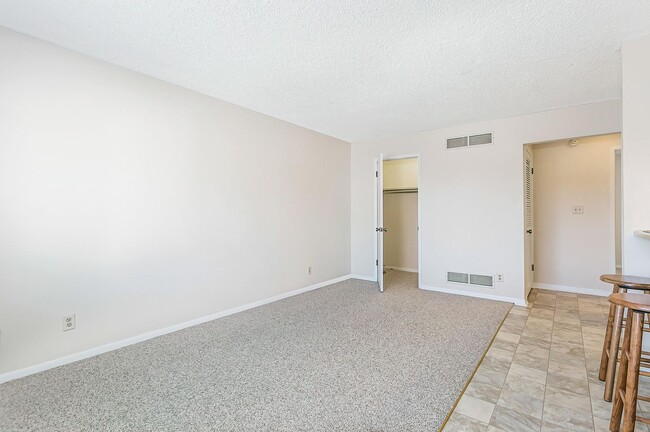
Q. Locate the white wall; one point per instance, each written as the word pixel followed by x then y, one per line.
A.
pixel 636 155
pixel 472 199
pixel 137 204
pixel 401 214
pixel 573 250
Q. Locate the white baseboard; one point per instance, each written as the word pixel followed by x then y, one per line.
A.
pixel 517 301
pixel 71 358
pixel 405 269
pixel 365 278
pixel 571 289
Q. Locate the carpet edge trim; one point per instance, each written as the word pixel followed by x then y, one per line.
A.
pixel 112 346
pixel 469 380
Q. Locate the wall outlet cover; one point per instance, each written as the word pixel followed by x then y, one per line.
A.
pixel 578 209
pixel 69 322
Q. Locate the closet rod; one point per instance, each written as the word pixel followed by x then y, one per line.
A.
pixel 396 191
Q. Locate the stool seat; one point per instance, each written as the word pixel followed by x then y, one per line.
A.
pixel 628 282
pixel 638 302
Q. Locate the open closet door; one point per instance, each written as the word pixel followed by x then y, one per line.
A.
pixel 380 222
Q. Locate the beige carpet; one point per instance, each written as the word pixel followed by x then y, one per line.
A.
pixel 340 358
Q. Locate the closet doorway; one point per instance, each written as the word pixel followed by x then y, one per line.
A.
pixel 398 220
pixel 572 213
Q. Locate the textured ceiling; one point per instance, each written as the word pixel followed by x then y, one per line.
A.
pixel 358 69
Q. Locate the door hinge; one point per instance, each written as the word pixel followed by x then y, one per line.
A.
pixel 376 262
pixel 376 173
pixel 532 171
pixel 533 267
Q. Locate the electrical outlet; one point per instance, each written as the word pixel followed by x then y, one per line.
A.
pixel 309 270
pixel 499 277
pixel 578 209
pixel 69 322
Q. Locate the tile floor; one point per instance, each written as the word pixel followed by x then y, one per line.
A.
pixel 541 372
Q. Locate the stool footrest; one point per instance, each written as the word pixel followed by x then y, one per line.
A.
pixel 643 353
pixel 643 419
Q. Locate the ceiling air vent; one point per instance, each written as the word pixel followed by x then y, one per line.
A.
pixel 480 139
pixel 453 143
pixel 482 280
pixel 469 141
pixel 457 277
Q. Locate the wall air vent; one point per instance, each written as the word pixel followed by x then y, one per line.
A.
pixel 460 142
pixel 480 139
pixel 457 277
pixel 482 280
pixel 469 141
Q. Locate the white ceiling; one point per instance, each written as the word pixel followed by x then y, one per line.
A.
pixel 358 69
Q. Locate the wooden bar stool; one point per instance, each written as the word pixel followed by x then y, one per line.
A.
pixel 627 382
pixel 609 357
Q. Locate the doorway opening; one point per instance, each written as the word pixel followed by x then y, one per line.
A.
pixel 618 215
pixel 572 220
pixel 398 220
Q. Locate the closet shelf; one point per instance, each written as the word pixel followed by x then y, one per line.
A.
pixel 395 191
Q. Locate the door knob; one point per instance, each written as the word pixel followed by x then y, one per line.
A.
pixel 385 229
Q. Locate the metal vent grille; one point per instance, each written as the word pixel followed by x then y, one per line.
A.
pixel 469 141
pixel 453 143
pixel 482 280
pixel 480 139
pixel 457 277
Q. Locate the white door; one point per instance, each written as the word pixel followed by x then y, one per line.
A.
pixel 379 229
pixel 529 239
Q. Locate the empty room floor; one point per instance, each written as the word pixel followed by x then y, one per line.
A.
pixel 340 358
pixel 541 372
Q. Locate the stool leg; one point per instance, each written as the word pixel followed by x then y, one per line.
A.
pixel 608 337
pixel 613 352
pixel 617 406
pixel 632 382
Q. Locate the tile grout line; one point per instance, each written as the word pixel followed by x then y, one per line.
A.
pixel 509 367
pixel 501 387
pixel 584 351
pixel 548 363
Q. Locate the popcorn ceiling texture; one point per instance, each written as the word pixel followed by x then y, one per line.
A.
pixel 358 70
pixel 340 358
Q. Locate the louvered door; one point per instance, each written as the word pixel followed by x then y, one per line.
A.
pixel 529 234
